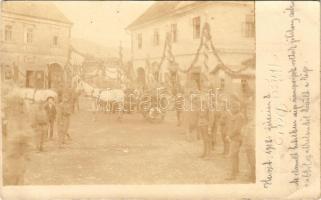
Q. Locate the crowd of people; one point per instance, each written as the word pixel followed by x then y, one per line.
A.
pixel 47 114
pixel 30 128
pixel 208 112
pixel 231 116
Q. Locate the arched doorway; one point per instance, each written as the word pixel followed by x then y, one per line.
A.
pixel 55 75
pixel 141 76
pixel 196 76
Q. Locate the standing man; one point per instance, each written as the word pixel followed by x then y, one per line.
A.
pixel 63 120
pixel 247 100
pixel 179 104
pixel 203 125
pixel 39 124
pixel 51 113
pixel 249 137
pixel 15 144
pixel 75 99
pixel 234 137
pixel 219 117
pixel 194 104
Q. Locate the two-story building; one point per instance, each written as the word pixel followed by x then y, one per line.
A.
pixel 195 39
pixel 35 43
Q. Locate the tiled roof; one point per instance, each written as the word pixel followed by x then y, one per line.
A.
pixel 165 8
pixel 41 10
pixel 157 10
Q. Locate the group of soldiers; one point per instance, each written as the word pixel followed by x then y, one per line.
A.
pixel 232 116
pixel 47 114
pixel 210 111
pixel 26 128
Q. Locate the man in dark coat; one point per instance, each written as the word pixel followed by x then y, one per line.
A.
pixel 234 137
pixel 39 124
pixel 51 112
pixel 63 117
pixel 16 144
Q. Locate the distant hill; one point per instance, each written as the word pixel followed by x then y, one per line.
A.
pixel 97 50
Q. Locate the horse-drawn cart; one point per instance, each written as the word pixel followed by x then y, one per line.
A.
pixel 154 104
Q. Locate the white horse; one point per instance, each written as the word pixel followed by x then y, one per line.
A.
pixel 32 96
pixel 104 98
pixel 36 95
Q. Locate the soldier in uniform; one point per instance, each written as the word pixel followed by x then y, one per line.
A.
pixel 15 143
pixel 219 116
pixel 247 100
pixel 40 124
pixel 51 112
pixel 203 125
pixel 193 103
pixel 75 99
pixel 63 118
pixel 179 104
pixel 234 137
pixel 249 137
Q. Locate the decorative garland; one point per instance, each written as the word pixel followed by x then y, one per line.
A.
pixel 207 42
pixel 167 49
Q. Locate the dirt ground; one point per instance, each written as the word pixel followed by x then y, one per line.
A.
pixel 133 151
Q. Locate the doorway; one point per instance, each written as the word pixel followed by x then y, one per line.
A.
pixel 196 76
pixel 35 79
pixel 55 75
pixel 141 76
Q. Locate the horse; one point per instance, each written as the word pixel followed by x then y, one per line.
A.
pixel 31 96
pixel 104 98
pixel 35 95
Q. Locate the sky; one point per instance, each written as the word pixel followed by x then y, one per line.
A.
pixel 102 22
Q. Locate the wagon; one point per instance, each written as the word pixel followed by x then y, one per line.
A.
pixel 153 105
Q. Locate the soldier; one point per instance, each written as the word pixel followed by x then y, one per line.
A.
pixel 203 124
pixel 234 137
pixel 247 101
pixel 40 123
pixel 16 141
pixel 51 113
pixel 63 119
pixel 223 119
pixel 249 137
pixel 193 110
pixel 75 99
pixel 59 91
pixel 219 117
pixel 179 104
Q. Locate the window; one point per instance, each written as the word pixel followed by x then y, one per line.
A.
pixel 222 83
pixel 174 32
pixel 156 37
pixel 139 41
pixel 8 33
pixel 156 75
pixel 196 27
pixel 55 41
pixel 35 79
pixel 249 31
pixel 196 79
pixel 244 84
pixel 29 36
pixel 8 75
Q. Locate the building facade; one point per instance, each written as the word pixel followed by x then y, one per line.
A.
pixel 195 38
pixel 35 43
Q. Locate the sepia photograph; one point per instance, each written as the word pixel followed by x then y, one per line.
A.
pixel 128 92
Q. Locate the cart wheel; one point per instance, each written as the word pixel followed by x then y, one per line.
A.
pixel 155 115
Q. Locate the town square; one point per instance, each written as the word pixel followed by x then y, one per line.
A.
pixel 136 92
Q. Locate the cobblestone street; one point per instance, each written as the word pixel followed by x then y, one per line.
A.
pixel 129 152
